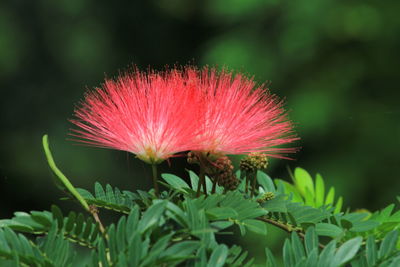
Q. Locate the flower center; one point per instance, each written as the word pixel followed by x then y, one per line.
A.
pixel 150 156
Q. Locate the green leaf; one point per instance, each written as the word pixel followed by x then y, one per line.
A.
pixel 306 214
pixel 277 204
pixel 122 260
pixel 288 257
pixel 102 254
pixel 348 250
pixel 112 243
pixel 194 180
pixel 110 194
pixel 309 198
pixel 218 257
pixel 176 213
pixel 17 226
pixel 395 262
pixel 219 213
pixel 256 226
pixel 290 190
pixel 221 225
pixel 159 246
pixel 326 229
pixel 303 180
pixel 319 191
pixel 311 240
pixel 85 194
pixel 70 221
pixel 175 181
pixel 151 216
pixel 79 224
pixel 119 197
pixel 95 233
pixel 99 192
pixel 330 197
pixel 339 205
pixel 327 255
pixel 266 182
pixel 270 258
pixel 312 258
pixel 201 257
pixel 364 226
pixel 181 249
pixel 356 217
pixel 388 244
pixel 88 228
pixel 297 247
pixel 385 213
pixel 237 257
pixel 371 251
pixel 41 218
pixel 57 215
pixel 121 234
pixel 209 184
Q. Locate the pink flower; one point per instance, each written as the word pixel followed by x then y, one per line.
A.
pixel 155 115
pixel 152 115
pixel 242 117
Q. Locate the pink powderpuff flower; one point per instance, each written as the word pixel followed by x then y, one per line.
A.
pixel 153 115
pixel 241 117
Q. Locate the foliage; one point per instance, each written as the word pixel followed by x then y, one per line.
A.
pixel 180 229
pixel 304 190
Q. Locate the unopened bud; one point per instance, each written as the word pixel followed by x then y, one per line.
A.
pixel 254 161
pixel 265 197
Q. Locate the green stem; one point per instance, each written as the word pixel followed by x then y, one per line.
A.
pixel 155 183
pixel 198 187
pixel 253 186
pixel 202 181
pixel 214 186
pixel 61 177
pixel 203 178
pixel 247 184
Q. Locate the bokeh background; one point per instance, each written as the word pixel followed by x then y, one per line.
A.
pixel 335 62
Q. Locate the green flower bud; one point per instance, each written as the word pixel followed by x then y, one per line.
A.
pixel 254 161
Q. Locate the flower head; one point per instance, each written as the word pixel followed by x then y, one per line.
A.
pixel 155 115
pixel 152 115
pixel 241 117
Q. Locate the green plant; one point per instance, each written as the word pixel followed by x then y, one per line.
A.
pixel 179 228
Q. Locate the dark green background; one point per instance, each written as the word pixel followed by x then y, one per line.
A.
pixel 335 62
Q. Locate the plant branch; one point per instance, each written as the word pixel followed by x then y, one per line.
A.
pixel 286 228
pixel 253 186
pixel 155 183
pixel 202 181
pixel 95 213
pixel 61 177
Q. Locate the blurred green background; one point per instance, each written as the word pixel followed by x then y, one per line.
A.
pixel 335 62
